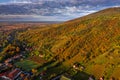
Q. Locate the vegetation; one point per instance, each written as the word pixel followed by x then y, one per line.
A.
pixel 27 65
pixel 93 41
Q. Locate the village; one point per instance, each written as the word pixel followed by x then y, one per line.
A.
pixel 8 71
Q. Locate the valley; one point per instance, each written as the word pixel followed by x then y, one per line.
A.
pixel 86 48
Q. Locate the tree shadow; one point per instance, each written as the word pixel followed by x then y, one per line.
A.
pixel 82 76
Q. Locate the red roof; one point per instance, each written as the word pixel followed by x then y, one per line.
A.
pixel 3 74
pixel 13 74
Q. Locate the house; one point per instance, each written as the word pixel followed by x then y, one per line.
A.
pixel 101 78
pixel 78 66
pixel 91 78
pixel 2 74
pixel 4 78
pixel 14 74
pixel 41 55
pixel 17 56
pixel 8 60
pixel 23 76
pixel 1 64
pixel 9 65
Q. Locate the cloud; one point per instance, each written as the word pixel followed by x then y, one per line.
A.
pixel 20 1
pixel 61 9
pixel 74 11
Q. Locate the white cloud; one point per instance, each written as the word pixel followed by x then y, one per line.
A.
pixel 20 1
pixel 73 11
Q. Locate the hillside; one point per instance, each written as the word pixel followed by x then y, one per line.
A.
pixel 91 42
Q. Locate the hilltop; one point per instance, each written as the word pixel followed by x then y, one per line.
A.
pixel 82 47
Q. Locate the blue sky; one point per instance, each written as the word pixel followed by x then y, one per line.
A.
pixel 4 1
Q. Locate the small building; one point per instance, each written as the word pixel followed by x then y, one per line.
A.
pixel 101 78
pixel 17 56
pixel 8 60
pixel 9 65
pixel 23 76
pixel 4 78
pixel 1 64
pixel 14 74
pixel 78 66
pixel 41 55
pixel 91 77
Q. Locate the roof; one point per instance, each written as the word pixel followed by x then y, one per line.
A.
pixel 8 60
pixel 4 78
pixel 14 73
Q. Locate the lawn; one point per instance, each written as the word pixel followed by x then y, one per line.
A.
pixel 27 65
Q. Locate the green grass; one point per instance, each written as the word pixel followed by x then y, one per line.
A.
pixel 45 67
pixel 27 65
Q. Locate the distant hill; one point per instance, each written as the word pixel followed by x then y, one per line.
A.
pixel 92 41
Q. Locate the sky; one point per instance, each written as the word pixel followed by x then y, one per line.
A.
pixel 60 10
pixel 4 1
pixel 9 1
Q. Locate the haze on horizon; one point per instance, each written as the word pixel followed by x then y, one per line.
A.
pixel 51 10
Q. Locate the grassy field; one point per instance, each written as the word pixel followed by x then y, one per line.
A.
pixel 27 65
